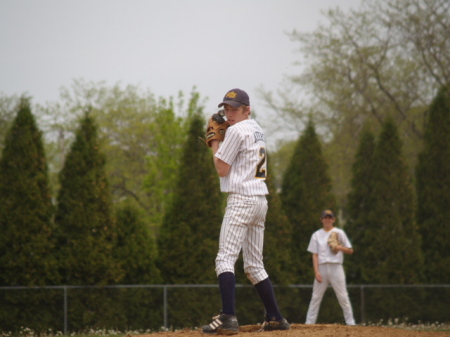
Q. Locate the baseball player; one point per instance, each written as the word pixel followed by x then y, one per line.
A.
pixel 328 246
pixel 240 161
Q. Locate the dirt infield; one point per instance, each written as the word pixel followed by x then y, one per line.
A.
pixel 314 330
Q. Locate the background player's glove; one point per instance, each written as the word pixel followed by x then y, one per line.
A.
pixel 217 126
pixel 333 241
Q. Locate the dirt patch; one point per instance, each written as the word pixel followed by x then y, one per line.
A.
pixel 314 330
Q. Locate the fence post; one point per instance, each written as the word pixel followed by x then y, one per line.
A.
pixel 65 311
pixel 362 305
pixel 165 307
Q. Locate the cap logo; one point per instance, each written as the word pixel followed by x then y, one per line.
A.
pixel 231 94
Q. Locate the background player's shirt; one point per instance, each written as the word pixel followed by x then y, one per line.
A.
pixel 319 245
pixel 244 148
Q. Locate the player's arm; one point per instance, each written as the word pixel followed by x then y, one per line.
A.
pixel 345 250
pixel 343 246
pixel 315 259
pixel 222 168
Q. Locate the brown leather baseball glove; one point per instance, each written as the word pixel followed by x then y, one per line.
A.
pixel 333 241
pixel 217 126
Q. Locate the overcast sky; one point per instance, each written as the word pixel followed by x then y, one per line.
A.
pixel 164 46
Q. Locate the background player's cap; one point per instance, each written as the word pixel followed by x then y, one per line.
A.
pixel 327 213
pixel 235 98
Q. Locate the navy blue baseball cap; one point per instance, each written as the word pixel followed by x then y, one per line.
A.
pixel 235 98
pixel 327 213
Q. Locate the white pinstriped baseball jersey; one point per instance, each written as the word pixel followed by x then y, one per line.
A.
pixel 319 246
pixel 242 230
pixel 244 148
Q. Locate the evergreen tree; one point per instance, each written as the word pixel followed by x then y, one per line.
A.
pixel 306 191
pixel 26 230
pixel 359 203
pixel 391 240
pixel 86 229
pixel 135 248
pixel 26 239
pixel 433 190
pixel 136 251
pixel 190 229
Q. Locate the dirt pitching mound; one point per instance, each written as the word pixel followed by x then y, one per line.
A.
pixel 313 330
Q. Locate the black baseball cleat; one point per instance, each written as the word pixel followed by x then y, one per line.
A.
pixel 270 325
pixel 222 324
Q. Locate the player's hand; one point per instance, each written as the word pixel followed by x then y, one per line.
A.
pixel 319 277
pixel 214 145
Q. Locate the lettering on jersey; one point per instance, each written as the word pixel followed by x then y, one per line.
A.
pixel 259 137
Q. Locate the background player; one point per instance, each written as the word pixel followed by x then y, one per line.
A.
pixel 328 268
pixel 241 162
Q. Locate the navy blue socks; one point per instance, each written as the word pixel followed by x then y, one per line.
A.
pixel 267 296
pixel 227 285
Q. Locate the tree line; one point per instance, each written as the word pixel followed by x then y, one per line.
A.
pixel 82 238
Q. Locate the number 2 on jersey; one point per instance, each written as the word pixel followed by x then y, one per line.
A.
pixel 261 171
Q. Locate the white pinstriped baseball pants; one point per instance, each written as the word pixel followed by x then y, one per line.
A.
pixel 243 228
pixel 332 273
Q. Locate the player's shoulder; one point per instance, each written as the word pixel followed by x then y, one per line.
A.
pixel 234 132
pixel 245 128
pixel 319 232
pixel 245 124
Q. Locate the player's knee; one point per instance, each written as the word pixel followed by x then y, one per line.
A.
pixel 251 278
pixel 255 276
